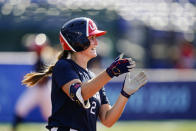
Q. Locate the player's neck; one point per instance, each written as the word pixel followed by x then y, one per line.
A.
pixel 80 60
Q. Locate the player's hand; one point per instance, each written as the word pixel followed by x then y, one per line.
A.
pixel 120 66
pixel 130 86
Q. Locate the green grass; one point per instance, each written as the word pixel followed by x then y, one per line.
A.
pixel 152 126
pixel 120 126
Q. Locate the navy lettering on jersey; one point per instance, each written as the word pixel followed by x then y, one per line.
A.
pixel 65 112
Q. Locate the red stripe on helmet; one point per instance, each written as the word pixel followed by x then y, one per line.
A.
pixel 64 43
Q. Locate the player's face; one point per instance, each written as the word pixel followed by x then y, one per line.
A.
pixel 91 50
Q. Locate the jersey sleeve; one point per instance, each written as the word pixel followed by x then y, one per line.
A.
pixel 64 73
pixel 104 98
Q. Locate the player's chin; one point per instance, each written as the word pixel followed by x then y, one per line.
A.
pixel 93 56
pixel 93 53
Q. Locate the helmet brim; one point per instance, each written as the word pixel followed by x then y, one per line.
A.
pixel 97 33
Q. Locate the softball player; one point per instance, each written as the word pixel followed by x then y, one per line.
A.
pixel 32 97
pixel 78 96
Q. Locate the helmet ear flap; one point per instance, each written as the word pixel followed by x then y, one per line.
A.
pixel 78 40
pixel 82 43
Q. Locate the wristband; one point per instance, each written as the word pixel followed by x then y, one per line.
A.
pixel 125 94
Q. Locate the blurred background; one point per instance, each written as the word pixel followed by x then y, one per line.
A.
pixel 160 35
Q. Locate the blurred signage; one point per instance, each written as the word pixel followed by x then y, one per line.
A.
pixel 158 100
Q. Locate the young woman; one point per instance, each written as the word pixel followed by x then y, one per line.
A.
pixel 78 96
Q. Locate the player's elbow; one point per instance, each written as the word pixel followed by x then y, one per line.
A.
pixel 108 124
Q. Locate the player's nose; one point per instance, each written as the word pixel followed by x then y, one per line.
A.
pixel 95 42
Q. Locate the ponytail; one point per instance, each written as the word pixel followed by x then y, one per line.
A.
pixel 33 78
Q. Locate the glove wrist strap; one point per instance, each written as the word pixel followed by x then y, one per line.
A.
pixel 125 94
pixel 109 72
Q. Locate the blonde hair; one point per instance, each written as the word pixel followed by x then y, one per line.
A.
pixel 33 78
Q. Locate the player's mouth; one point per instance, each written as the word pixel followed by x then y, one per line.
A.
pixel 93 49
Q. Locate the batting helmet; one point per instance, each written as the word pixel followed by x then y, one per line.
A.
pixel 74 34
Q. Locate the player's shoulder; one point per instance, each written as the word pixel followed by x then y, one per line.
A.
pixel 63 63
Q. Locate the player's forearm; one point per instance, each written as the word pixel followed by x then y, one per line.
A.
pixel 91 87
pixel 115 112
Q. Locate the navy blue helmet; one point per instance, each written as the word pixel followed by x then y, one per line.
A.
pixel 74 34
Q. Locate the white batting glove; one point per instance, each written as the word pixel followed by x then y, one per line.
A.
pixel 130 86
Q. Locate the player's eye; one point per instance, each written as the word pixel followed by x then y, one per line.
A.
pixel 92 38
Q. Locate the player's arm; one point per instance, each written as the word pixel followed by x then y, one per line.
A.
pixel 109 115
pixel 88 89
pixel 80 92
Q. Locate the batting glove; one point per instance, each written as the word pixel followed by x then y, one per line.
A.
pixel 130 86
pixel 120 66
